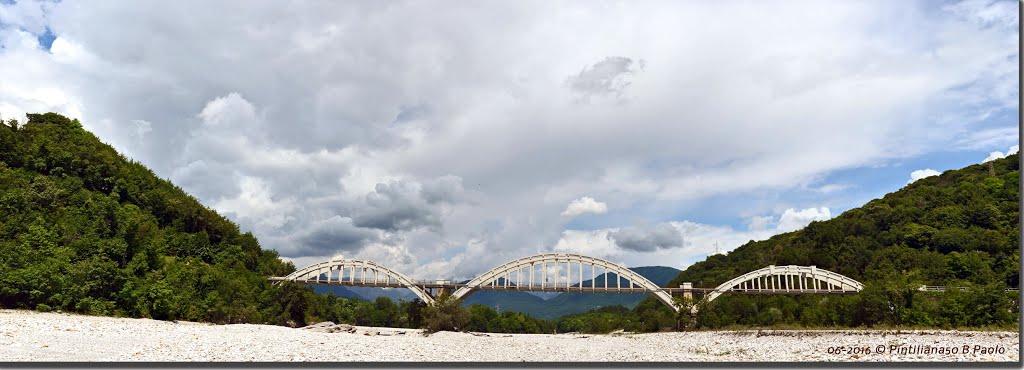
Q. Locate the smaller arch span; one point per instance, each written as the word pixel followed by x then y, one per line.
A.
pixel 791 278
pixel 523 271
pixel 363 272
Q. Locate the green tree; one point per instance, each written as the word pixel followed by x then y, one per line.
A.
pixel 445 314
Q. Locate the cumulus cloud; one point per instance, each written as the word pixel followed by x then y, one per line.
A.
pixel 28 15
pixel 330 237
pixel 647 239
pixel 759 222
pixel 402 205
pixel 920 174
pixel 254 205
pixel 470 122
pixel 793 219
pixel 588 242
pixel 445 189
pixel 997 154
pixel 231 109
pixel 698 241
pixel 585 205
pixel 395 206
pixel 993 156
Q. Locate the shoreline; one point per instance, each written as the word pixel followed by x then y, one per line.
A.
pixel 29 336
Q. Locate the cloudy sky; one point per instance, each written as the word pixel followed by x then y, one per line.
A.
pixel 442 138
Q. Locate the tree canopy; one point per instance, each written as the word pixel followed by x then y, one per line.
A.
pixel 959 229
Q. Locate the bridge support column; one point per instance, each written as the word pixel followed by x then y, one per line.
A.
pixel 543 274
pixel 687 290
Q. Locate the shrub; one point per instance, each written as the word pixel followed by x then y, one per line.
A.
pixel 445 314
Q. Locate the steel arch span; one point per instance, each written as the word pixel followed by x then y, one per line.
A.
pixel 359 272
pixel 524 274
pixel 788 279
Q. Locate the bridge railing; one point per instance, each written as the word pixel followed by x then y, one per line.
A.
pixel 940 288
pixel 435 284
pixel 548 287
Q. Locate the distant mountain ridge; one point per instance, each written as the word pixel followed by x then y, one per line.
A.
pixel 560 305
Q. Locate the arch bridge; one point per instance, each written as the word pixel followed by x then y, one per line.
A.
pixel 787 279
pixel 568 272
pixel 347 272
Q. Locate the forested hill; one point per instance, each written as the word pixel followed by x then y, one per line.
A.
pixel 84 229
pixel 960 228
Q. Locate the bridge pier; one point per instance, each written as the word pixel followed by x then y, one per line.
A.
pixel 687 290
pixel 439 287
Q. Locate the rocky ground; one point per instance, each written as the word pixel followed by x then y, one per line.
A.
pixel 33 336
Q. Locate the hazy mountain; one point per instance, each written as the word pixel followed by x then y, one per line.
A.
pixel 560 304
pixel 532 303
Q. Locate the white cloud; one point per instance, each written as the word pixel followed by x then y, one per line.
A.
pixel 585 205
pixel 680 243
pixel 255 203
pixel 698 240
pixel 29 15
pixel 793 219
pixel 591 243
pixel 831 188
pixel 920 174
pixel 790 220
pixel 997 154
pixel 993 156
pixel 759 223
pixel 289 116
pixel 231 109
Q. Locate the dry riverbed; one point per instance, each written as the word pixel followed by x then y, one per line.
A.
pixel 33 336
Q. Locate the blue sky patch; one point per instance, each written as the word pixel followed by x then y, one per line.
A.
pixel 46 39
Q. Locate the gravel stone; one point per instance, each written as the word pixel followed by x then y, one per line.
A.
pixel 27 336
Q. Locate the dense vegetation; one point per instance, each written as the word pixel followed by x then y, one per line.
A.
pixel 448 314
pixel 958 229
pixel 648 316
pixel 83 229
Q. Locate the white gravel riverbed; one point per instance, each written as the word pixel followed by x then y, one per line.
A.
pixel 34 336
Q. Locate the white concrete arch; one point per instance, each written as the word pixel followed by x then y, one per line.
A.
pixel 792 278
pixel 364 272
pixel 527 268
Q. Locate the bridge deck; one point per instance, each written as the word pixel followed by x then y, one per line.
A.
pixel 565 272
pixel 548 288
